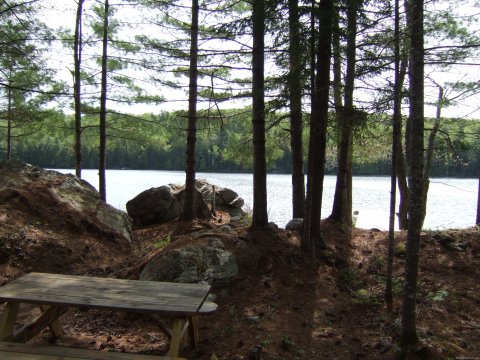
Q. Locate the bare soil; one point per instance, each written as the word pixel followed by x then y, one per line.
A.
pixel 280 306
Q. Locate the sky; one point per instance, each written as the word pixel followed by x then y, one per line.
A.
pixel 62 13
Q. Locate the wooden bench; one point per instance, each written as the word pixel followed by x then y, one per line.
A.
pixel 16 351
pixel 55 293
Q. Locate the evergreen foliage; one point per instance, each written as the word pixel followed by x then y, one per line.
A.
pixel 157 141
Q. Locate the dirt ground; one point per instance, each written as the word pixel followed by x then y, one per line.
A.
pixel 280 306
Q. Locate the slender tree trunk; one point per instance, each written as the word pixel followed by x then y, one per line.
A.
pixel 77 89
pixel 478 204
pixel 397 102
pixel 342 202
pixel 296 128
pixel 401 171
pixel 9 125
pixel 188 207
pixel 260 214
pixel 403 160
pixel 431 143
pixel 102 164
pixel 337 68
pixel 409 337
pixel 312 237
pixel 307 245
pixel 342 207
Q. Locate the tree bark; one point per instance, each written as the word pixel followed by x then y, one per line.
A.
pixel 431 143
pixel 77 89
pixel 9 125
pixel 296 128
pixel 307 245
pixel 342 201
pixel 401 170
pixel 312 238
pixel 396 119
pixel 188 207
pixel 260 214
pixel 478 204
pixel 409 338
pixel 337 68
pixel 102 164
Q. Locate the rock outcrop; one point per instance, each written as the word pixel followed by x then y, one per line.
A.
pixel 296 224
pixel 203 262
pixel 63 200
pixel 165 203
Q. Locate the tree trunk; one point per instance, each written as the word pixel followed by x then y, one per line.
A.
pixel 403 188
pixel 188 207
pixel 77 89
pixel 478 204
pixel 102 164
pixel 9 125
pixel 307 245
pixel 403 160
pixel 401 171
pixel 342 206
pixel 260 214
pixel 397 103
pixel 431 143
pixel 409 337
pixel 312 238
pixel 337 68
pixel 342 201
pixel 296 128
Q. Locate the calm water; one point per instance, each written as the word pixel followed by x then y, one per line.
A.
pixel 452 203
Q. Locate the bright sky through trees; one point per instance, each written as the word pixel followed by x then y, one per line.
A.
pixel 62 14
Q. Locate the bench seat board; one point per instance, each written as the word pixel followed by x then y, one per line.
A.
pixel 17 351
pixel 101 293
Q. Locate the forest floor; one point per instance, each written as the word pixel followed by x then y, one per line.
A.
pixel 279 307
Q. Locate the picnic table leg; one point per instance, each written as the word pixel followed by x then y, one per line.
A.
pixel 28 331
pixel 193 330
pixel 8 320
pixel 55 327
pixel 176 340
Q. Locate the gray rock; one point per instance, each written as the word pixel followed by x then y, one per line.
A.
pixel 165 203
pixel 272 226
pixel 237 203
pixel 295 224
pixel 224 196
pixel 227 197
pixel 197 263
pixel 226 229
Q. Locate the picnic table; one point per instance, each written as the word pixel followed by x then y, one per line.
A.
pixel 55 293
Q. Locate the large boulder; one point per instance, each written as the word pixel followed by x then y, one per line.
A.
pixel 202 262
pixel 61 199
pixel 228 197
pixel 296 224
pixel 165 203
pixel 162 204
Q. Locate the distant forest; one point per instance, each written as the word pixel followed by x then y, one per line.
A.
pixel 224 144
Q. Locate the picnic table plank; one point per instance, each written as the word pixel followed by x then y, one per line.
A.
pixel 104 293
pixel 74 282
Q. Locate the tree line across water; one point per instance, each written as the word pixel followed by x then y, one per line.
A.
pixel 224 144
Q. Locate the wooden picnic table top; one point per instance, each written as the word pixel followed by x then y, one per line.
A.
pixel 106 293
